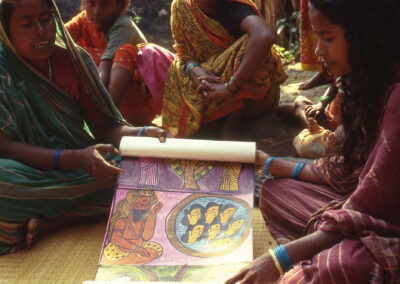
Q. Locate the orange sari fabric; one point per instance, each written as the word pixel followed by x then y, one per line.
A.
pixel 204 40
pixel 308 41
pixel 87 35
pixel 137 106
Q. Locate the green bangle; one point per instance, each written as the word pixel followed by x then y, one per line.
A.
pixel 323 98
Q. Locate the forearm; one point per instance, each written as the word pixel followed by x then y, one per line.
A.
pixel 282 168
pixel 312 244
pixel 104 71
pixel 41 158
pixel 261 38
pixel 113 135
pixel 256 52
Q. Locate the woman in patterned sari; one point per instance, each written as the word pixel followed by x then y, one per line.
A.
pixel 225 66
pixel 338 219
pixel 133 70
pixel 54 113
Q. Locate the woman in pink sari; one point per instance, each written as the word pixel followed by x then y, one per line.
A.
pixel 338 220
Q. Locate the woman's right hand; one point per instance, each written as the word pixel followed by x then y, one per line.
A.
pixel 203 80
pixel 261 270
pixel 315 111
pixel 92 161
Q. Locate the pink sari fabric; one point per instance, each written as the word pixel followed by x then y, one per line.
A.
pixel 153 63
pixel 369 218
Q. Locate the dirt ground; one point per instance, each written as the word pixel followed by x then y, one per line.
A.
pixel 271 133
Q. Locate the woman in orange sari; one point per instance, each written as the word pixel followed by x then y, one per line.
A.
pixel 133 71
pixel 225 66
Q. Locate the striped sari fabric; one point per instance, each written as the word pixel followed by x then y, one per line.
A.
pixel 365 207
pixel 36 111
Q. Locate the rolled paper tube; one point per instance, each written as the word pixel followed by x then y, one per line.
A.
pixel 189 149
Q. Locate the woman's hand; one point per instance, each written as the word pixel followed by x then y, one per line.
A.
pixel 261 270
pixel 156 132
pixel 315 111
pixel 92 161
pixel 261 157
pixel 203 79
pixel 218 91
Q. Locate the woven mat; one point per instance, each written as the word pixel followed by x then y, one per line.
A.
pixel 70 256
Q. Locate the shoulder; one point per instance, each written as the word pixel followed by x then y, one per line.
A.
pixel 123 20
pixel 394 97
pixel 178 4
pixel 78 18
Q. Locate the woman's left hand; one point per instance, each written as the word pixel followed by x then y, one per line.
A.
pixel 261 270
pixel 261 157
pixel 218 91
pixel 156 132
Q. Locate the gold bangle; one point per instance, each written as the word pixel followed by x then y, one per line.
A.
pixel 276 262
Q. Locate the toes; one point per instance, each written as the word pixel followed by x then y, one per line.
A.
pixel 33 225
pixel 31 237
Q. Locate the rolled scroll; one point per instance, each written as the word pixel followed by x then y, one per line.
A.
pixel 189 149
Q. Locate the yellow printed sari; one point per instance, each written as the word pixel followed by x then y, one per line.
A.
pixel 201 38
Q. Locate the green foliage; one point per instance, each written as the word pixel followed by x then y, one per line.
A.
pixel 291 27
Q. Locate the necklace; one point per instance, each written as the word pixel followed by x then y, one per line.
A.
pixel 50 69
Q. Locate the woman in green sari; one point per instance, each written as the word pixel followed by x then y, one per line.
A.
pixel 54 112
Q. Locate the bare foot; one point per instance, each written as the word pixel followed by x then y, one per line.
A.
pixel 38 227
pixel 318 79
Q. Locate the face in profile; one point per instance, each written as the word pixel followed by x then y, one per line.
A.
pixel 195 215
pixel 227 214
pixel 332 46
pixel 32 30
pixel 102 13
pixel 214 231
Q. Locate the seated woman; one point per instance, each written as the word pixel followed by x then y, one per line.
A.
pixel 340 222
pixel 54 112
pixel 134 72
pixel 225 66
pixel 308 60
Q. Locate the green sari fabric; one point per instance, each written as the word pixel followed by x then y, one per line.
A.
pixel 33 110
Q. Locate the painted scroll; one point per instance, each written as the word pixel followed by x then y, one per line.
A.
pixel 178 220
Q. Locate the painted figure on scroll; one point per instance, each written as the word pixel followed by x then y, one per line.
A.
pixel 131 229
pixel 342 212
pixel 54 112
pixel 133 70
pixel 225 67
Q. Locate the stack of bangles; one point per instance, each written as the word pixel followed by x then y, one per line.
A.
pixel 296 171
pixel 189 67
pixel 281 259
pixel 234 84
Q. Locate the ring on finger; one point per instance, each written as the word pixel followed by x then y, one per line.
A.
pixel 203 81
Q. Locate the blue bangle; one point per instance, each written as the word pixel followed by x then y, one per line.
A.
pixel 190 65
pixel 142 130
pixel 297 170
pixel 266 165
pixel 57 159
pixel 283 257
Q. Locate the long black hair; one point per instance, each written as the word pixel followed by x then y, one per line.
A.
pixel 372 29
